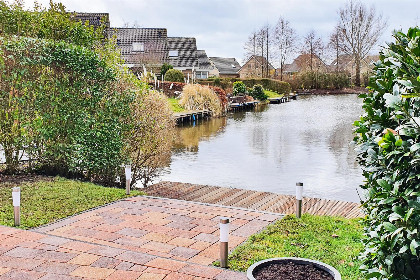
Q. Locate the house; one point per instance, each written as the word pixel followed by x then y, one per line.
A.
pixel 182 54
pixel 94 19
pixel 204 65
pixel 256 67
pixel 225 67
pixel 142 46
pixel 346 63
pixel 304 62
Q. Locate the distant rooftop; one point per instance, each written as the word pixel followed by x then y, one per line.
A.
pixel 182 52
pixel 94 19
pixel 226 65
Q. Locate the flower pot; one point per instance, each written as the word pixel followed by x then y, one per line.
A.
pixel 264 263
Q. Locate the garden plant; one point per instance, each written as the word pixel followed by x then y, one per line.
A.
pixel 388 137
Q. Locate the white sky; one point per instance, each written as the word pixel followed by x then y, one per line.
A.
pixel 222 26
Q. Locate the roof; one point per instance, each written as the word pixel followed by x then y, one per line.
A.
pixel 151 44
pixel 226 65
pixel 302 62
pixel 260 59
pixel 186 52
pixel 94 19
pixel 203 61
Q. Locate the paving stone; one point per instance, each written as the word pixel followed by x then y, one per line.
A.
pixel 78 246
pixel 57 256
pixel 125 266
pixel 134 257
pixel 230 275
pixel 166 264
pixel 200 271
pixel 158 246
pixel 131 241
pixel 84 259
pixel 3 270
pixel 92 272
pixel 22 252
pixel 106 251
pixel 106 262
pixel 158 237
pixel 19 263
pixel 53 240
pixel 200 245
pixel 22 275
pixel 201 260
pixel 184 252
pixel 181 241
pixel 179 276
pixel 181 225
pixel 53 276
pixel 132 232
pixel 124 275
pixel 56 268
pixel 151 276
pixel 207 237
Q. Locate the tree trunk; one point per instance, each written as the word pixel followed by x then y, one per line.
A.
pixel 357 78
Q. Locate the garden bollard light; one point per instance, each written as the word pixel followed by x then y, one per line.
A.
pixel 127 178
pixel 224 239
pixel 299 190
pixel 16 205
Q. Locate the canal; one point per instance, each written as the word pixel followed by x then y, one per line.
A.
pixel 273 147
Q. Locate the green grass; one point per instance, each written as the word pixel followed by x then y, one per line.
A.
pixel 332 240
pixel 46 201
pixel 174 103
pixel 272 94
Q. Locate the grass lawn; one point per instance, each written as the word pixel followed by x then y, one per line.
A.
pixel 46 201
pixel 332 240
pixel 174 103
pixel 272 94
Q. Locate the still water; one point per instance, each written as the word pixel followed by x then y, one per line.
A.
pixel 273 147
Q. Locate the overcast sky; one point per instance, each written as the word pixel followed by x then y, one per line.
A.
pixel 222 26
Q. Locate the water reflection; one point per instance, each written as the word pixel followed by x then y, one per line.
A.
pixel 272 148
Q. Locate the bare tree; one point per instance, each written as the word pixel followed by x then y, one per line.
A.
pixel 250 46
pixel 284 41
pixel 312 45
pixel 359 30
pixel 335 46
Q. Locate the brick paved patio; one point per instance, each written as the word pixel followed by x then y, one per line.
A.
pixel 136 238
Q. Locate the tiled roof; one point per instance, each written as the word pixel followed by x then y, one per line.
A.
pixel 137 44
pixel 203 61
pixel 94 19
pixel 226 65
pixel 186 50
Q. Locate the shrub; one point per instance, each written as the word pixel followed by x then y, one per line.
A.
pixel 317 80
pixel 274 85
pixel 389 153
pixel 150 140
pixel 197 97
pixel 165 67
pixel 257 92
pixel 174 75
pixel 239 88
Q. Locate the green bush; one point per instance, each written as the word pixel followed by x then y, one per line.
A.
pixel 317 80
pixel 388 137
pixel 239 88
pixel 174 75
pixel 269 84
pixel 165 67
pixel 257 92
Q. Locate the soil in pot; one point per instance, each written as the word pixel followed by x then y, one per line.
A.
pixel 291 271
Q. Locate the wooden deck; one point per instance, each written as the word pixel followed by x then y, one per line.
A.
pixel 262 201
pixel 191 116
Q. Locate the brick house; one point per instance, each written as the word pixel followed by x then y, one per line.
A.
pixel 256 67
pixel 224 67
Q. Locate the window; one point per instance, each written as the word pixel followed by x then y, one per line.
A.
pixel 173 53
pixel 233 66
pixel 138 47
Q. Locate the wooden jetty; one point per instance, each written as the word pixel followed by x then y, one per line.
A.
pixel 262 201
pixel 191 116
pixel 243 105
pixel 278 100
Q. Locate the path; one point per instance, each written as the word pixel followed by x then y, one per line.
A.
pixel 262 201
pixel 136 238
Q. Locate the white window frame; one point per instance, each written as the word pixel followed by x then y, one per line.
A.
pixel 173 53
